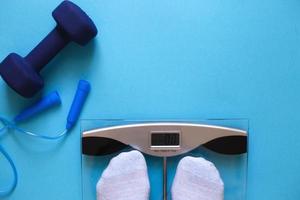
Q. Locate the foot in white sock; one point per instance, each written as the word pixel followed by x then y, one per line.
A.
pixel 197 179
pixel 125 178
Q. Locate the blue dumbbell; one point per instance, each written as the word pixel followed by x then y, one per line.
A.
pixel 22 74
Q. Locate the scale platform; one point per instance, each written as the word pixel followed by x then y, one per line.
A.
pixel 164 143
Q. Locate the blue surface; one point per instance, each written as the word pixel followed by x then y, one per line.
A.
pixel 164 59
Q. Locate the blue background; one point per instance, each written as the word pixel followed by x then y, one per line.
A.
pixel 163 59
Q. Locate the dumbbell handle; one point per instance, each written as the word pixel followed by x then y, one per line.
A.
pixel 47 49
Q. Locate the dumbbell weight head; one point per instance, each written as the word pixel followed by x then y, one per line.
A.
pixel 74 22
pixel 22 74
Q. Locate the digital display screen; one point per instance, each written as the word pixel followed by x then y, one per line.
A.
pixel 165 139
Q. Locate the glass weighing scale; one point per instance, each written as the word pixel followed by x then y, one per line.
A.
pixel 164 143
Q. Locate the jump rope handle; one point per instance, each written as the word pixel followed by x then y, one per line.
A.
pixel 53 99
pixel 83 89
pixel 45 103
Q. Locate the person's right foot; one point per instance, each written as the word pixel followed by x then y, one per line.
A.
pixel 197 179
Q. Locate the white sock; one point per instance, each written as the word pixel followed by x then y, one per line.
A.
pixel 197 179
pixel 125 178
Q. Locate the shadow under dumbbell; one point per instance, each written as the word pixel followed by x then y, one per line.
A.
pixel 17 102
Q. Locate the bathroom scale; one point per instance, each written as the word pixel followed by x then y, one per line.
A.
pixel 163 143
